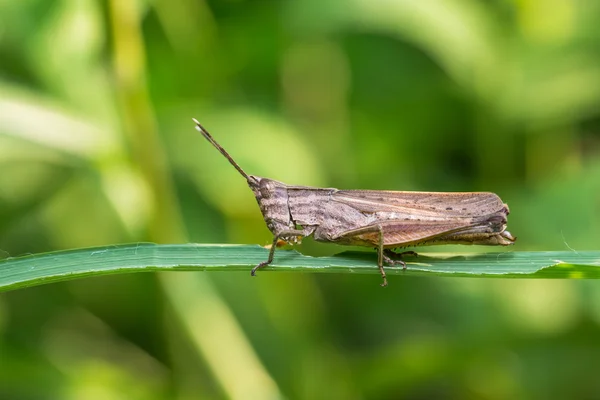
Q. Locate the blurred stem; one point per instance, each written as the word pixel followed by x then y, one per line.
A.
pixel 165 223
pixel 234 364
pixel 129 64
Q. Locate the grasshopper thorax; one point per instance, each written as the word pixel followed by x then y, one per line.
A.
pixel 272 198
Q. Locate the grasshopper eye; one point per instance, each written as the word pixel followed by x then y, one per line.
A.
pixel 266 188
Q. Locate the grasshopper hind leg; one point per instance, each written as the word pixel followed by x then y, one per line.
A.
pixel 381 257
pixel 390 257
pixel 387 256
pixel 375 235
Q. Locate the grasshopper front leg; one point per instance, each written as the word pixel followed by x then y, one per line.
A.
pixel 276 238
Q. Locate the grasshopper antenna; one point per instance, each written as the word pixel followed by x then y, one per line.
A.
pixel 208 137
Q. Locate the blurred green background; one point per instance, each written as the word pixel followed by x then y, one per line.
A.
pixel 97 147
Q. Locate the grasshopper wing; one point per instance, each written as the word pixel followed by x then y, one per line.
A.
pixel 423 218
pixel 423 205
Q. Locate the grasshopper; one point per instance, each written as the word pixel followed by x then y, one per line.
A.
pixel 382 219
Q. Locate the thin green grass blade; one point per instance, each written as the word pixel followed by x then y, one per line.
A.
pixel 37 269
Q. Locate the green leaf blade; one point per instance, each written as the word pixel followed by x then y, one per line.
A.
pixel 37 269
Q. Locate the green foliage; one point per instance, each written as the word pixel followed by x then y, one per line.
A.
pixel 32 270
pixel 97 147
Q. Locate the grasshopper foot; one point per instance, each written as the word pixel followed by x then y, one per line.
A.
pixel 388 254
pixel 387 259
pixel 262 264
pixel 381 270
pixel 384 283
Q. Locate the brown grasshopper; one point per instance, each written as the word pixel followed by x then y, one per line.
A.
pixel 375 218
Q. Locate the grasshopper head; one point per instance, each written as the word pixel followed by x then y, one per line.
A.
pixel 272 198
